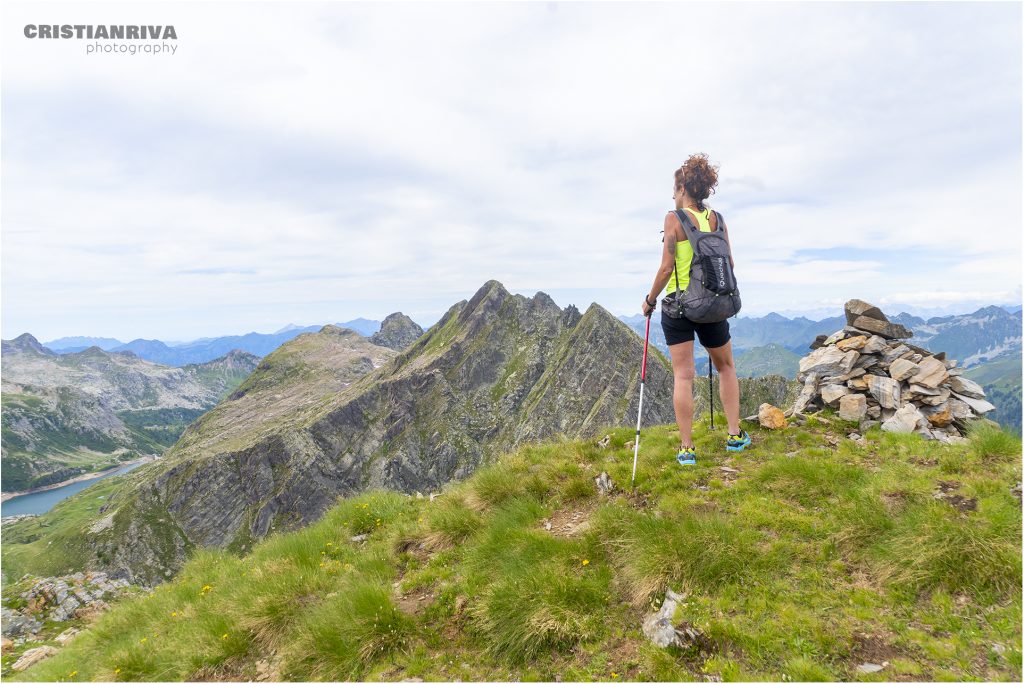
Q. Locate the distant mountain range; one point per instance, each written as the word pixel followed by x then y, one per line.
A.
pixel 68 414
pixel 205 348
pixel 330 414
pixel 972 338
pixel 987 341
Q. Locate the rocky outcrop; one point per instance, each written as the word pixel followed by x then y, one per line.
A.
pixel 870 375
pixel 397 332
pixel 33 656
pixel 59 599
pixel 495 371
pixel 329 414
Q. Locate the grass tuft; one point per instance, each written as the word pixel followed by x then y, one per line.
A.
pixel 990 441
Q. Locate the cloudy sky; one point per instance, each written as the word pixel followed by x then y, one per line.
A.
pixel 313 163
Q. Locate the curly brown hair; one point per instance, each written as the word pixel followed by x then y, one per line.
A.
pixel 698 177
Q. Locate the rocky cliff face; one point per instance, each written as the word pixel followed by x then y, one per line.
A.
pixel 330 414
pixel 397 332
pixel 495 371
pixel 66 414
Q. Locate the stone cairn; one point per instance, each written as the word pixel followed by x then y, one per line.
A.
pixel 871 375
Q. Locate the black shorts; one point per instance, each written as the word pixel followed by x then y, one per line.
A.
pixel 681 330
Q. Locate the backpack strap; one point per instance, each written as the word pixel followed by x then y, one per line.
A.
pixel 684 218
pixel 720 225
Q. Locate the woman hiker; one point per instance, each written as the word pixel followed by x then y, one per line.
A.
pixel 694 182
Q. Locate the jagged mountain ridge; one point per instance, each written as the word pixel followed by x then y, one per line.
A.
pixel 495 371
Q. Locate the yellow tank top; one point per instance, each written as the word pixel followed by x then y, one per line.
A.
pixel 684 252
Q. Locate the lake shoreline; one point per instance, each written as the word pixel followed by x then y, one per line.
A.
pixel 7 496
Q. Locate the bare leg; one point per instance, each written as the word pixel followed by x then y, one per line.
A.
pixel 682 392
pixel 728 385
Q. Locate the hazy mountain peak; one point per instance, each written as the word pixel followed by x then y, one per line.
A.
pixel 337 331
pixel 397 331
pixel 25 343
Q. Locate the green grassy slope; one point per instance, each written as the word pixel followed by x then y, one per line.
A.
pixel 1001 378
pixel 767 360
pixel 53 543
pixel 811 555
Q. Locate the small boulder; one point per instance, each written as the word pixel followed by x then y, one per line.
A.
pixel 886 391
pixel 770 417
pixel 901 369
pixel 859 384
pixel 604 484
pixel 979 406
pixel 853 407
pixel 66 636
pixel 881 328
pixel 904 421
pixel 33 656
pixel 855 342
pixel 855 308
pixel 658 627
pixel 875 345
pixel 807 394
pixel 894 353
pixel 938 416
pixel 966 387
pixel 826 361
pixel 834 337
pixel 830 394
pixel 931 373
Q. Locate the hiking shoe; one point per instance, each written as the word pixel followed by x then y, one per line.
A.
pixel 738 442
pixel 687 456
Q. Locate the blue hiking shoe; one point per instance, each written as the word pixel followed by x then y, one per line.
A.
pixel 687 456
pixel 738 442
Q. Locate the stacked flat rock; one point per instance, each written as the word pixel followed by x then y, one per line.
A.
pixel 870 374
pixel 64 598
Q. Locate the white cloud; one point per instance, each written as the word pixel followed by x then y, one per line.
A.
pixel 326 161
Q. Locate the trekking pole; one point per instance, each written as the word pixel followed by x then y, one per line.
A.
pixel 640 408
pixel 711 394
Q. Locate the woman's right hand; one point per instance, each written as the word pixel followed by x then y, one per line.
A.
pixel 647 307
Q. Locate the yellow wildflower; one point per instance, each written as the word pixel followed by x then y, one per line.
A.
pixel 117 670
pixel 586 562
pixel 143 640
pixel 224 635
pixel 72 673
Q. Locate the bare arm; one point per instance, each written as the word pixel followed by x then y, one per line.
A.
pixel 668 258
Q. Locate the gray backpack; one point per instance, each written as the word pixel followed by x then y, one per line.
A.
pixel 712 294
